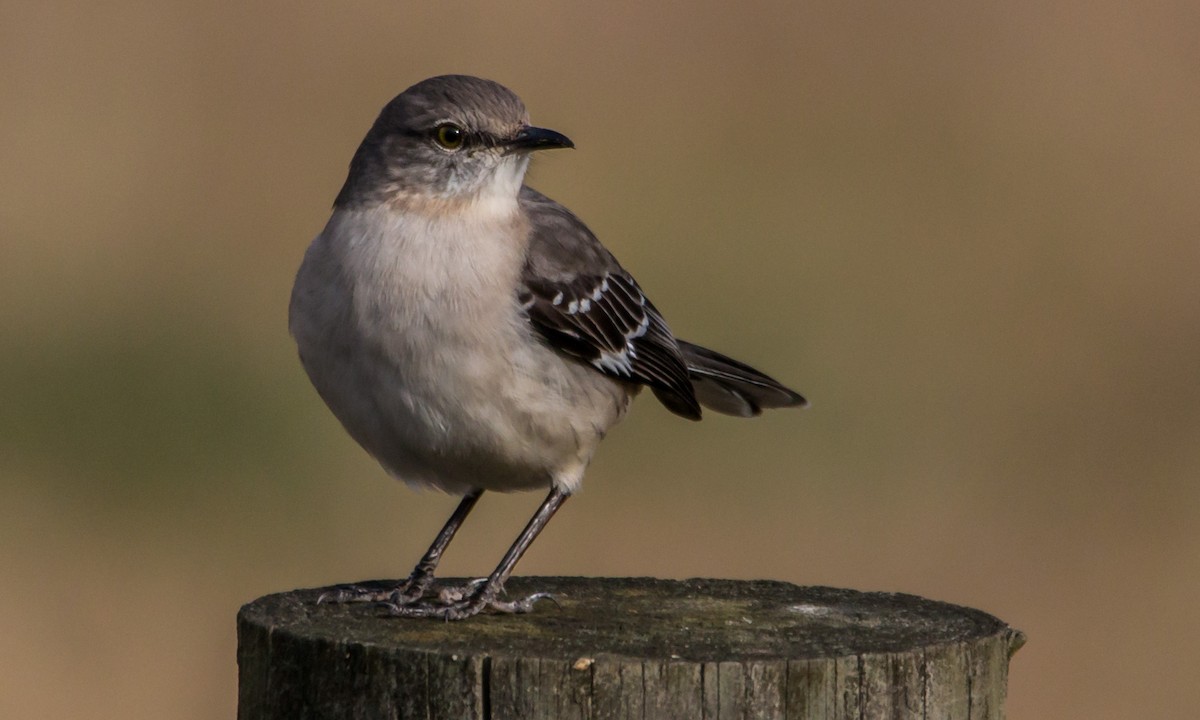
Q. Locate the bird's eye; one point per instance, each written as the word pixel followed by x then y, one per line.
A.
pixel 449 136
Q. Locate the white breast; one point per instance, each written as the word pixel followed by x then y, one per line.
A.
pixel 408 325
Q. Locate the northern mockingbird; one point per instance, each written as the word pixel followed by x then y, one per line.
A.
pixel 472 334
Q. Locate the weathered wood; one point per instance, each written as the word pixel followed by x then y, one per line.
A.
pixel 630 648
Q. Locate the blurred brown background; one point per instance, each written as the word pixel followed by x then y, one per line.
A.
pixel 969 234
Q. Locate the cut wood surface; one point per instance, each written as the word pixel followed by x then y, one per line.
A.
pixel 629 648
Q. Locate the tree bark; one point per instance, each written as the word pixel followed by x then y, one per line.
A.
pixel 629 648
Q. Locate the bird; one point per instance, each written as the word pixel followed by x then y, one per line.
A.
pixel 473 335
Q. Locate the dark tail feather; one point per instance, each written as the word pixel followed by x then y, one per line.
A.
pixel 733 388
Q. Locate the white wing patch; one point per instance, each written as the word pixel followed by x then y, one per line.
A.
pixel 620 363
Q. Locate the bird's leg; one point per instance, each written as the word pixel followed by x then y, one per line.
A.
pixel 485 595
pixel 419 580
pixel 421 577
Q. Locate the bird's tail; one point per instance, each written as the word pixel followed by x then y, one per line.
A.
pixel 733 388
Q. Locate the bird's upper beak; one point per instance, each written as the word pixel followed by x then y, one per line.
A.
pixel 536 138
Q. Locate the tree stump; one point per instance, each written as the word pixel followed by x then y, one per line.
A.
pixel 629 648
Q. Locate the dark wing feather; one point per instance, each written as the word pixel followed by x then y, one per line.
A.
pixel 734 388
pixel 584 304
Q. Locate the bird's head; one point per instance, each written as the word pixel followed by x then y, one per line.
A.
pixel 449 138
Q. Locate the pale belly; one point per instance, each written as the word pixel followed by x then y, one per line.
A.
pixel 516 418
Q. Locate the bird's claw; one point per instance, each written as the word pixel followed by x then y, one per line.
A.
pixel 459 604
pixel 402 594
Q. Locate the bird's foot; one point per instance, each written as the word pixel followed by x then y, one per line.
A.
pixel 452 594
pixel 409 591
pixel 459 603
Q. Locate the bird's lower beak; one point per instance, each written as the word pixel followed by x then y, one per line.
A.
pixel 535 138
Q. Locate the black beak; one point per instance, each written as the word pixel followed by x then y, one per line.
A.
pixel 535 138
